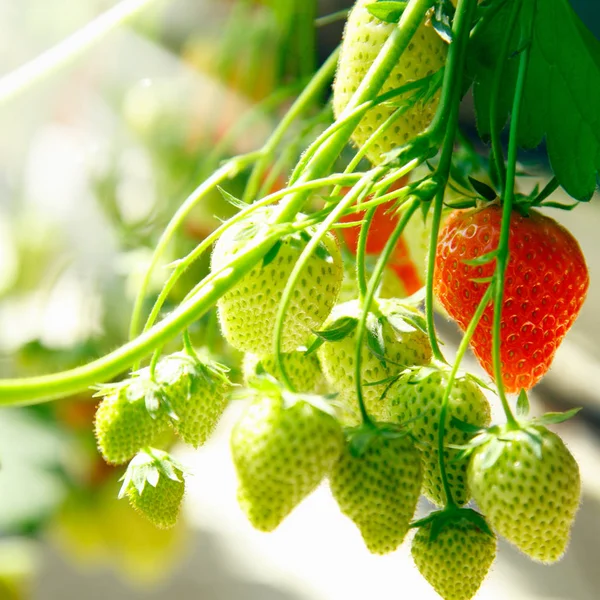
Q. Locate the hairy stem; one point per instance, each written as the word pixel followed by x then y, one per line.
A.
pixel 464 344
pixel 449 106
pixel 374 282
pixel 497 152
pixel 503 244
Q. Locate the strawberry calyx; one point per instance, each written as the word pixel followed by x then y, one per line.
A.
pixel 265 385
pixel 361 437
pixel 147 467
pixel 451 514
pixel 494 439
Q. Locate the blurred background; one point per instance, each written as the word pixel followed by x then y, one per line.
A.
pixel 94 159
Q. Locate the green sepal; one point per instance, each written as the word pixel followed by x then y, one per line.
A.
pixel 239 204
pixel 388 11
pixel 147 467
pixel 483 189
pixel 523 404
pixel 359 438
pixel 441 19
pixel 272 253
pixel 484 259
pixel 375 339
pixel 446 516
pixel 554 418
pixel 465 426
pixel 335 332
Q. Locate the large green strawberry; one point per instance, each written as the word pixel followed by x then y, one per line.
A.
pixel 454 555
pixel 155 486
pixel 196 393
pixel 303 371
pixel 416 399
pixel 377 482
pixel 527 483
pixel 395 340
pixel 127 418
pixel 544 289
pixel 364 37
pixel 248 311
pixel 282 447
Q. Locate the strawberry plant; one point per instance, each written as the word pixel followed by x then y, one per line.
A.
pixel 345 380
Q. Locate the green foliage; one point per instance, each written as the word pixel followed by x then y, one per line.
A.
pixel 563 79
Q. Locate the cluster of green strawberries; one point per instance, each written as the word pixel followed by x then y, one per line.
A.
pixel 307 417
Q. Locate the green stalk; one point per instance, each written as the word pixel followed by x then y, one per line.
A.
pixel 374 282
pixel 37 389
pixel 318 83
pixel 361 253
pixel 183 264
pixel 464 344
pixel 497 152
pixel 226 171
pixel 503 249
pixel 379 71
pixel 15 392
pixel 449 107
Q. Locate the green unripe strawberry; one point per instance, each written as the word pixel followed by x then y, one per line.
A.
pixel 303 371
pixel 282 447
pixel 377 483
pixel 396 339
pixel 155 487
pixel 364 37
pixel 196 392
pixel 124 424
pixel 456 558
pixel 416 399
pixel 248 311
pixel 527 483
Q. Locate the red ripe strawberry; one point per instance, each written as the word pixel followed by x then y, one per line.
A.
pixel 545 286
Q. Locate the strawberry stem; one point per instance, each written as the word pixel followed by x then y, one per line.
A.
pixel 49 387
pixel 503 243
pixel 361 328
pixel 361 252
pixel 358 191
pixel 460 353
pixel 447 114
pixel 497 152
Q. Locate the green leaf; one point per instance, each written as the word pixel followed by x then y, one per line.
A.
pixel 563 79
pixel 523 404
pixel 388 11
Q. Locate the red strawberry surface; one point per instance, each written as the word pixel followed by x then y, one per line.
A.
pixel 545 287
